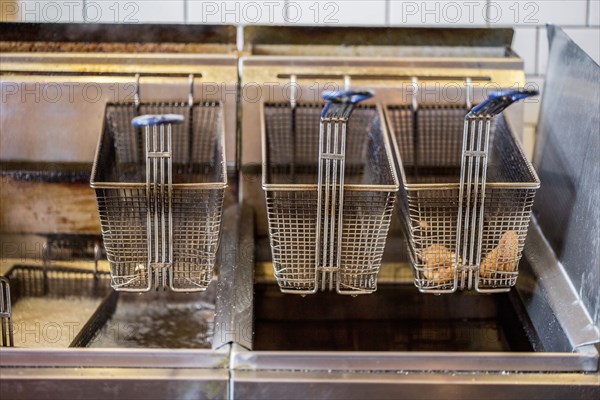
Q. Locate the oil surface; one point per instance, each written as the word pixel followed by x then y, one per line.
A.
pixel 50 322
pixel 158 324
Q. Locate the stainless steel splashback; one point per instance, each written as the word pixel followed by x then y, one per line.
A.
pixel 567 158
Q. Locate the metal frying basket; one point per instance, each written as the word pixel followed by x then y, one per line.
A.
pixel 48 282
pixel 466 194
pixel 160 183
pixel 330 188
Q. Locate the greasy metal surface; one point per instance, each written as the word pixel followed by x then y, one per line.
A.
pixel 46 172
pixel 353 36
pixel 233 322
pixel 567 157
pixel 118 33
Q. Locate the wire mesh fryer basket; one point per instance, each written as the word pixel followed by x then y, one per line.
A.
pixel 466 194
pixel 329 203
pixel 160 201
pixel 49 283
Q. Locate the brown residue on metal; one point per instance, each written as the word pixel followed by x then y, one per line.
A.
pixel 47 207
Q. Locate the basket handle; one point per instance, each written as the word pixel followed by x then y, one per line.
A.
pixel 330 184
pixel 159 216
pixel 498 102
pixel 473 177
pixel 156 119
pixel 341 103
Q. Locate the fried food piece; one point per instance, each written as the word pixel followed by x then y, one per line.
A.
pixel 440 264
pixel 503 258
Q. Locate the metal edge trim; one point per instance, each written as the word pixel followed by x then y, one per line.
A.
pixel 114 358
pixel 414 361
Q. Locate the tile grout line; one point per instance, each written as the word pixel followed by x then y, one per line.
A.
pixel 588 4
pixel 388 16
pixel 537 50
pixel 185 12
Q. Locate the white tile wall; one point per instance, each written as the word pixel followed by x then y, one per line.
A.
pixel 438 13
pixel 135 11
pixel 538 12
pixel 339 12
pixel 525 45
pixel 101 11
pixel 236 12
pixel 46 10
pixel 594 13
pixel 542 55
pixel 532 105
pixel 528 141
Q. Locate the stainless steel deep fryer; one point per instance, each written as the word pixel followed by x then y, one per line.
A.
pixel 330 189
pixel 160 187
pixel 466 194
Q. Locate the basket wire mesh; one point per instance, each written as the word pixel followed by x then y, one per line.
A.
pixel 466 196
pixel 330 188
pixel 160 192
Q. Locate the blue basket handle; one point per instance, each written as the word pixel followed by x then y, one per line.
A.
pixel 157 119
pixel 499 101
pixel 340 103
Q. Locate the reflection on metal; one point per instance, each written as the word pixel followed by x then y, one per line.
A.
pixel 233 322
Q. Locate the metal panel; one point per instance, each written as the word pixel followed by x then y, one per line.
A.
pixel 584 360
pixel 567 159
pixel 233 322
pixel 114 383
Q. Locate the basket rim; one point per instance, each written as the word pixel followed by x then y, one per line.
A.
pixel 534 184
pixel 393 187
pixel 221 184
